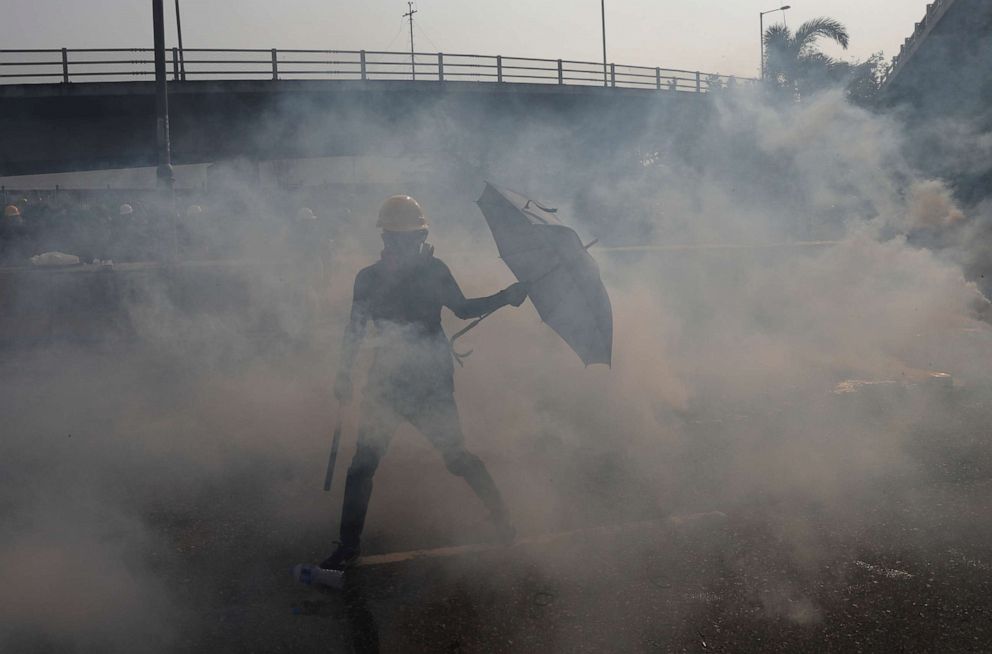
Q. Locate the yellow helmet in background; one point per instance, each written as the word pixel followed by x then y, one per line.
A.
pixel 11 211
pixel 401 213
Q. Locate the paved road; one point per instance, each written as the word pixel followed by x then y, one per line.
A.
pixel 226 504
pixel 897 578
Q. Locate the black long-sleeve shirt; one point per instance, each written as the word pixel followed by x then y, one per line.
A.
pixel 404 302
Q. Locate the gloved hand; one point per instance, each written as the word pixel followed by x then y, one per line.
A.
pixel 515 294
pixel 343 390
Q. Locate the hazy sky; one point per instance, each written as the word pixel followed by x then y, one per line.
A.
pixel 708 35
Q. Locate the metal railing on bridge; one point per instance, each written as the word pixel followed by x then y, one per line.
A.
pixel 935 11
pixel 127 64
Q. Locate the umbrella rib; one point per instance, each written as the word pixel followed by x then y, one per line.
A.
pixel 522 252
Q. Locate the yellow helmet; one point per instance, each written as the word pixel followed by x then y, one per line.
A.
pixel 11 211
pixel 401 213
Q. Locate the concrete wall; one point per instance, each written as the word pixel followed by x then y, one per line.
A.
pixel 947 78
pixel 59 128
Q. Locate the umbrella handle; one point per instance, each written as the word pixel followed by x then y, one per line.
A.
pixel 459 356
pixel 451 341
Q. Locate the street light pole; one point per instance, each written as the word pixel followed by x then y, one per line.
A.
pixel 602 9
pixel 161 98
pixel 761 41
pixel 761 32
pixel 179 34
pixel 413 57
pixel 163 173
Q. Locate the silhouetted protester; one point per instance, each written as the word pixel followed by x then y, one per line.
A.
pixel 412 375
pixel 50 224
pixel 304 237
pixel 14 246
pixel 76 228
pixel 125 235
pixel 140 237
pixel 304 274
pixel 207 233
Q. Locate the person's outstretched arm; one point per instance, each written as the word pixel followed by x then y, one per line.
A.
pixel 465 308
pixel 353 336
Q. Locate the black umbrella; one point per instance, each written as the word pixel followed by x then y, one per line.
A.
pixel 563 279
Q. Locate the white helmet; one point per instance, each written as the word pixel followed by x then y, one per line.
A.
pixel 126 209
pixel 306 213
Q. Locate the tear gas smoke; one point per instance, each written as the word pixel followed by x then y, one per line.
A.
pixel 207 432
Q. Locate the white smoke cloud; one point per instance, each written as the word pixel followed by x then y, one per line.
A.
pixel 721 389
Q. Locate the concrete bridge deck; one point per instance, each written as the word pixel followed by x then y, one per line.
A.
pixel 69 110
pixel 945 64
pixel 49 128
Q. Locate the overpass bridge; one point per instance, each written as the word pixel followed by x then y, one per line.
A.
pixel 942 76
pixel 70 110
pixel 946 64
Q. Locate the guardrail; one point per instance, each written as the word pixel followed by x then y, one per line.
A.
pixel 118 64
pixel 935 11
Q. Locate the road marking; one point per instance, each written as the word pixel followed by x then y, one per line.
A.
pixel 885 572
pixel 542 539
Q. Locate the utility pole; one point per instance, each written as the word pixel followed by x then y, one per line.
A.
pixel 182 55
pixel 413 57
pixel 161 98
pixel 163 173
pixel 761 27
pixel 602 9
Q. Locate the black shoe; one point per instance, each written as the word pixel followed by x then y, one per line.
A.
pixel 343 557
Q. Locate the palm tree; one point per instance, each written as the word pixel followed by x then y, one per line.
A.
pixel 793 61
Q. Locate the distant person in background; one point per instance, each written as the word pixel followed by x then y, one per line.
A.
pixel 304 238
pixel 191 236
pixel 14 249
pixel 308 285
pixel 132 236
pixel 50 227
pixel 331 225
pixel 90 230
pixel 207 233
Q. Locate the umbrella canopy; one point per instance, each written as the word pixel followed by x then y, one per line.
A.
pixel 564 282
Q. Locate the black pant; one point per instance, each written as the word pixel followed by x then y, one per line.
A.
pixel 435 416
